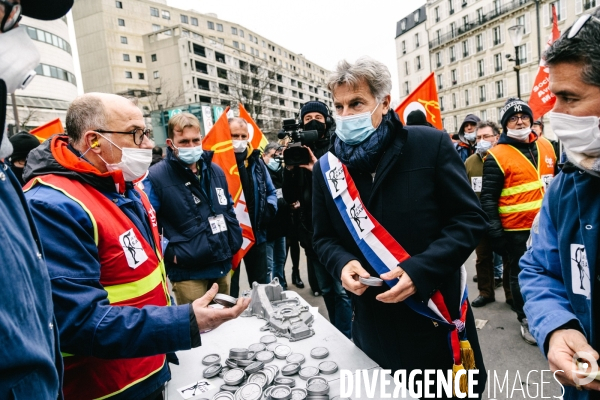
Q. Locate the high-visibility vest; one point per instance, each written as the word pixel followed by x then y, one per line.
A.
pixel 132 273
pixel 524 184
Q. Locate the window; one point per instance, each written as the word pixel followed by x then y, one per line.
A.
pixel 417 15
pixel 453 28
pixel 403 47
pixel 454 101
pixel 125 57
pixel 166 14
pixel 221 40
pixel 155 27
pixel 153 12
pixel 481 93
pixel 483 114
pixel 223 89
pixel 153 57
pixel 453 77
pixel 467 97
pixel 479 13
pixel 480 68
pixel 156 75
pixel 220 57
pixel 219 27
pixel 184 19
pixel 121 21
pixel 194 21
pixel 203 84
pixel 438 59
pixel 466 22
pixel 416 40
pixel 499 89
pixel 403 24
pixel 497 35
pixel 222 73
pixel 406 69
pixel 406 88
pixel 250 37
pixel 119 4
pixel 498 62
pixel 211 25
pixel 123 39
pixel 436 14
pixel 244 46
pixel 55 72
pixel 522 53
pixel 234 30
pixel 199 50
pixel 479 42
pixel 465 47
pixel 236 44
pixel 561 9
pixel 264 44
pixel 140 75
pixel 452 54
pixel 47 37
pixel 128 74
pixel 201 67
pixel 451 7
pixel 440 80
pixel 418 63
pixel 442 98
pixel 587 4
pixel 241 33
pixel 520 20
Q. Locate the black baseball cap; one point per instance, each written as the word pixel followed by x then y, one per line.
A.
pixel 46 10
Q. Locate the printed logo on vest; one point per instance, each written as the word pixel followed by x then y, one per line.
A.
pixel 549 162
pixel 221 196
pixel 132 247
pixel 580 271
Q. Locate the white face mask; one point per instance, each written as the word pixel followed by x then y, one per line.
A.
pixel 483 146
pixel 519 134
pixel 578 134
pixel 18 58
pixel 134 162
pixel 239 146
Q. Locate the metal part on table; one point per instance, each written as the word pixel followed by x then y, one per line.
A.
pixel 244 363
pixel 299 394
pixel 285 317
pixel 371 281
pixel 308 372
pixel 282 351
pixel 259 377
pixel 264 356
pixel 256 347
pixel 281 393
pixel 316 379
pixel 291 382
pixel 212 371
pixel 254 367
pixel 250 391
pixel 229 388
pixel 295 358
pixel 223 396
pixel 223 370
pixel 317 397
pixel 234 376
pixel 268 339
pixel 340 398
pixel 318 389
pixel 267 393
pixel 290 369
pixel 319 353
pixel 328 367
pixel 225 300
pixel 231 363
pixel 273 346
pixel 239 353
pixel 211 359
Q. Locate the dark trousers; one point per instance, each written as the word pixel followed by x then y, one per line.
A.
pixel 256 268
pixel 313 282
pixel 517 245
pixel 293 249
pixel 484 265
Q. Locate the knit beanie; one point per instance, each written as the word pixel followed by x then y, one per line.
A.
pixel 23 143
pixel 514 106
pixel 313 106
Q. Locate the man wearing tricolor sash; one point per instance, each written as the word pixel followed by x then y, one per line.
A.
pixel 394 202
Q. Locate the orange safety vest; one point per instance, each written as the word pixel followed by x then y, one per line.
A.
pixel 131 272
pixel 524 184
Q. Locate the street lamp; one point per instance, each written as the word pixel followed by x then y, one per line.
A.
pixel 516 35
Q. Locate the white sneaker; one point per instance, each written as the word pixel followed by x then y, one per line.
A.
pixel 525 334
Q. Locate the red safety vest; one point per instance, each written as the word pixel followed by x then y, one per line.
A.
pixel 131 272
pixel 524 184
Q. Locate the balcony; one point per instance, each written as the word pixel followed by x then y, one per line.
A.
pixel 439 64
pixel 496 41
pixel 440 87
pixel 479 48
pixel 482 99
pixel 480 74
pixel 454 83
pixel 452 59
pixel 499 95
pixel 465 54
pixel 498 68
pixel 490 16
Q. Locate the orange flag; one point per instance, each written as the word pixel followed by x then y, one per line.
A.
pixel 218 140
pixel 257 138
pixel 542 100
pixel 44 132
pixel 424 98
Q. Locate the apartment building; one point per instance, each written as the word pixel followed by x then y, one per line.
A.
pixel 412 51
pixel 473 57
pixel 167 56
pixel 49 94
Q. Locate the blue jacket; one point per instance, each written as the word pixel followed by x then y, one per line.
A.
pixel 88 324
pixel 28 331
pixel 264 194
pixel 553 270
pixel 183 205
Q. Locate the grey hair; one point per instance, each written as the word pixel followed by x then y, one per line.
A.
pixel 582 49
pixel 239 120
pixel 366 69
pixel 491 124
pixel 271 146
pixel 85 113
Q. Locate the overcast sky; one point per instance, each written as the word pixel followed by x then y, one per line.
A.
pixel 324 31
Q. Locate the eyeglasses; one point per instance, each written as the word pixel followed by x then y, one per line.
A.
pixel 138 134
pixel 485 137
pixel 579 24
pixel 12 15
pixel 524 118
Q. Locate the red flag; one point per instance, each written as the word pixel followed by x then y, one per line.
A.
pixel 44 132
pixel 218 140
pixel 257 138
pixel 424 98
pixel 542 100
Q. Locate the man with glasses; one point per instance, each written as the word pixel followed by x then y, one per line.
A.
pixel 516 174
pixel 191 198
pixel 103 251
pixel 560 274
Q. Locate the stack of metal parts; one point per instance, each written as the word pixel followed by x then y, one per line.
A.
pixel 285 317
pixel 248 377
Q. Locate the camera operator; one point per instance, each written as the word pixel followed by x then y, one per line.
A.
pixel 297 187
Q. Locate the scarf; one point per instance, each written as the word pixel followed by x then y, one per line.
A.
pixel 365 156
pixel 589 164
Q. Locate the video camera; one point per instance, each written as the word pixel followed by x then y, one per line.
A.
pixel 295 154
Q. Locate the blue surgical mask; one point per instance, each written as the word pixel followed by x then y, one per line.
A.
pixel 355 129
pixel 274 164
pixel 483 146
pixel 189 155
pixel 470 137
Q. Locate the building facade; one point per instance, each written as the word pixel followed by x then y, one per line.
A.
pixel 473 58
pixel 167 56
pixel 49 94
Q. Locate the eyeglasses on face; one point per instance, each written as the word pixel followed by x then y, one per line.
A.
pixel 515 118
pixel 579 24
pixel 137 133
pixel 12 15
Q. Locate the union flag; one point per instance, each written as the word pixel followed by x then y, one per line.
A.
pixel 218 140
pixel 542 99
pixel 257 138
pixel 424 98
pixel 44 132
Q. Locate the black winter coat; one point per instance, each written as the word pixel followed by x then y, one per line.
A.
pixel 278 227
pixel 421 195
pixel 493 182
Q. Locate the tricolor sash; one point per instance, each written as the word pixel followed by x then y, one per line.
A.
pixel 384 254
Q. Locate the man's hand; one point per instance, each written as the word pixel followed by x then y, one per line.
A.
pixel 563 344
pixel 211 318
pixel 295 205
pixel 350 274
pixel 401 291
pixel 312 162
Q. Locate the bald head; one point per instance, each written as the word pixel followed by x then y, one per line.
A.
pixel 238 128
pixel 99 111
